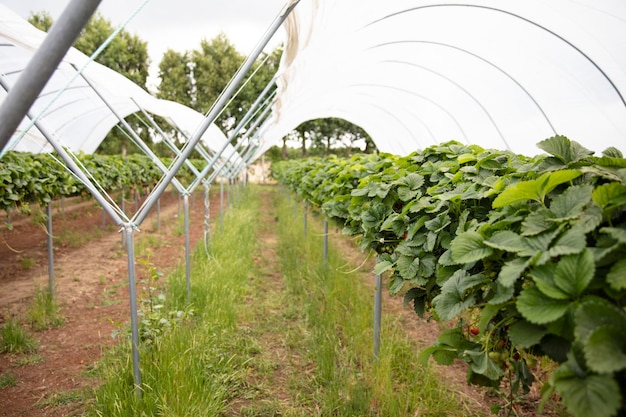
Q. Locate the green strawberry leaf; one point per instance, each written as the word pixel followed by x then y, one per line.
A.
pixel 589 395
pixel 512 271
pixel 571 202
pixel 482 364
pixel 524 334
pixel 605 349
pixel 469 247
pixel 594 312
pixel 538 308
pixel 574 273
pixel 382 266
pixel 544 277
pixel 507 241
pixel 617 275
pixel 564 149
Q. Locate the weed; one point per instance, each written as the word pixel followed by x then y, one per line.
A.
pixel 44 312
pixel 27 262
pixel 7 380
pixel 15 339
pixel 145 243
pixel 61 398
pixel 155 319
pixel 108 297
pixel 29 360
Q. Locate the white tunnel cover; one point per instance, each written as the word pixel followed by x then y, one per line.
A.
pixel 75 115
pixel 502 74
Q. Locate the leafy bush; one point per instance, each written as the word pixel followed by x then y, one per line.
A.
pixel 526 252
pixel 39 178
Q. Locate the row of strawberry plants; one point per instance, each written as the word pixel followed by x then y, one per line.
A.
pixel 27 178
pixel 527 254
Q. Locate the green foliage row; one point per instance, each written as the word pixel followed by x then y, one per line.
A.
pixel 27 178
pixel 527 254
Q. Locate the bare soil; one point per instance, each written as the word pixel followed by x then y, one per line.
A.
pixel 91 286
pixel 90 270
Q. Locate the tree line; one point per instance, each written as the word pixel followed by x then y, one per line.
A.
pixel 196 78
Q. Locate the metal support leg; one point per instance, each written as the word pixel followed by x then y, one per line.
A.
pixel 222 204
pixel 305 217
pixel 158 203
pixel 325 243
pixel 207 217
pixel 134 321
pixel 50 250
pixel 377 313
pixel 187 248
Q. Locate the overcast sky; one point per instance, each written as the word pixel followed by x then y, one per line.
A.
pixel 178 24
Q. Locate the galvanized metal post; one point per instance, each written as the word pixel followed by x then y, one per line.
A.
pixel 221 203
pixel 378 295
pixel 325 243
pixel 305 217
pixel 158 204
pixel 50 250
pixel 187 248
pixel 132 290
pixel 207 214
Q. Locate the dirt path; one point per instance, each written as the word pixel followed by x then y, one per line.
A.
pixel 92 290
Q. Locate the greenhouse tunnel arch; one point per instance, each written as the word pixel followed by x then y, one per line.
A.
pixel 518 16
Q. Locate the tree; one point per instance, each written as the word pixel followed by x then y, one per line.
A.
pixel 324 134
pixel 197 78
pixel 126 54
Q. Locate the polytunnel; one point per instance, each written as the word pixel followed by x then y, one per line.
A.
pixel 69 106
pixel 500 74
pixel 412 73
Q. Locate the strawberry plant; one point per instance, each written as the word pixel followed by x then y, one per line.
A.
pixel 530 248
pixel 38 178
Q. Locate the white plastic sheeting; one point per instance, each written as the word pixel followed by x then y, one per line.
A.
pixel 502 74
pixel 72 112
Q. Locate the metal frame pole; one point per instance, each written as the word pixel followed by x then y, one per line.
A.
pixel 132 289
pixel 378 295
pixel 325 242
pixel 187 248
pixel 207 215
pixel 222 203
pixel 217 107
pixel 50 249
pixel 142 145
pixel 306 206
pixel 42 65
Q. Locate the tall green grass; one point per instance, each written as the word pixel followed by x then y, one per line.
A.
pixel 15 339
pixel 199 365
pixel 44 312
pixel 274 333
pixel 338 309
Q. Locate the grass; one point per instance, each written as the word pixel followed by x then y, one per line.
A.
pixel 273 333
pixel 198 366
pixel 7 380
pixel 29 360
pixel 77 238
pixel 62 398
pixel 145 243
pixel 44 311
pixel 14 339
pixel 27 262
pixel 337 308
